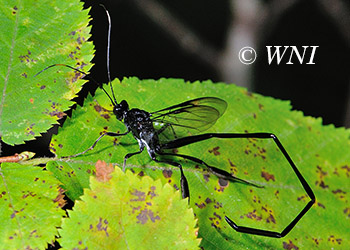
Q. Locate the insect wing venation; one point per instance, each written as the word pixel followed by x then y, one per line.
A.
pixel 188 118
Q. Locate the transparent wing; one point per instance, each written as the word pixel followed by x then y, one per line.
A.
pixel 188 118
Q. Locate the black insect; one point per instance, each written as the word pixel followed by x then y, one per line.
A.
pixel 167 128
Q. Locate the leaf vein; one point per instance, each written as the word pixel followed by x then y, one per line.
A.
pixel 13 43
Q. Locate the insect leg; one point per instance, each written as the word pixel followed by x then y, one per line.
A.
pixel 250 230
pixel 185 192
pixel 177 143
pixel 93 145
pixel 216 171
pixel 129 155
pixel 196 138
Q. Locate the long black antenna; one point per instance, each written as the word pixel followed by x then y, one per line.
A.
pixel 114 100
pixel 108 48
pixel 80 71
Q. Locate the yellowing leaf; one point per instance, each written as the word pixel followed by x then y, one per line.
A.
pixel 129 212
pixel 34 35
pixel 30 207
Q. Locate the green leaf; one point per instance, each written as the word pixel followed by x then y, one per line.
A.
pixel 321 153
pixel 29 208
pixel 34 35
pixel 73 175
pixel 129 212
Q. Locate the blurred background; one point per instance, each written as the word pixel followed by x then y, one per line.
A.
pixel 200 40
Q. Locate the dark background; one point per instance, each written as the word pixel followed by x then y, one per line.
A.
pixel 189 39
pixel 144 48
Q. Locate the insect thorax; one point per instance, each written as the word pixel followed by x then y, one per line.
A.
pixel 138 121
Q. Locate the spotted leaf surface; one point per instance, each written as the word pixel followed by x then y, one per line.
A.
pixel 321 153
pixel 30 207
pixel 74 176
pixel 34 35
pixel 128 212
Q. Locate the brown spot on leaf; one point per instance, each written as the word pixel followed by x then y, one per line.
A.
pixel 141 196
pixel 201 205
pixel 102 111
pixel 217 216
pixel 134 209
pixel 217 205
pixel 208 200
pixel 29 130
pixel 102 226
pixel 215 151
pixel 253 215
pixel 167 173
pixel 267 176
pixel 320 205
pixel 3 193
pixel 216 219
pixel 206 177
pixel 26 58
pixel 302 198
pixel 339 193
pixel 255 199
pixel 321 174
pixel 347 212
pixel 321 184
pixel 145 215
pixel 336 172
pixel 13 215
pixel 58 114
pixel 233 167
pixel 334 240
pixel 277 194
pixel 103 171
pixel 14 10
pixel 77 76
pixel 98 108
pixel 223 183
pixel 347 170
pixel 106 116
pixel 290 245
pixel 60 198
pixel 79 40
pixel 271 219
pixel 316 241
pixel 152 192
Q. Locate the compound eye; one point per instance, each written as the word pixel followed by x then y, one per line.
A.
pixel 124 105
